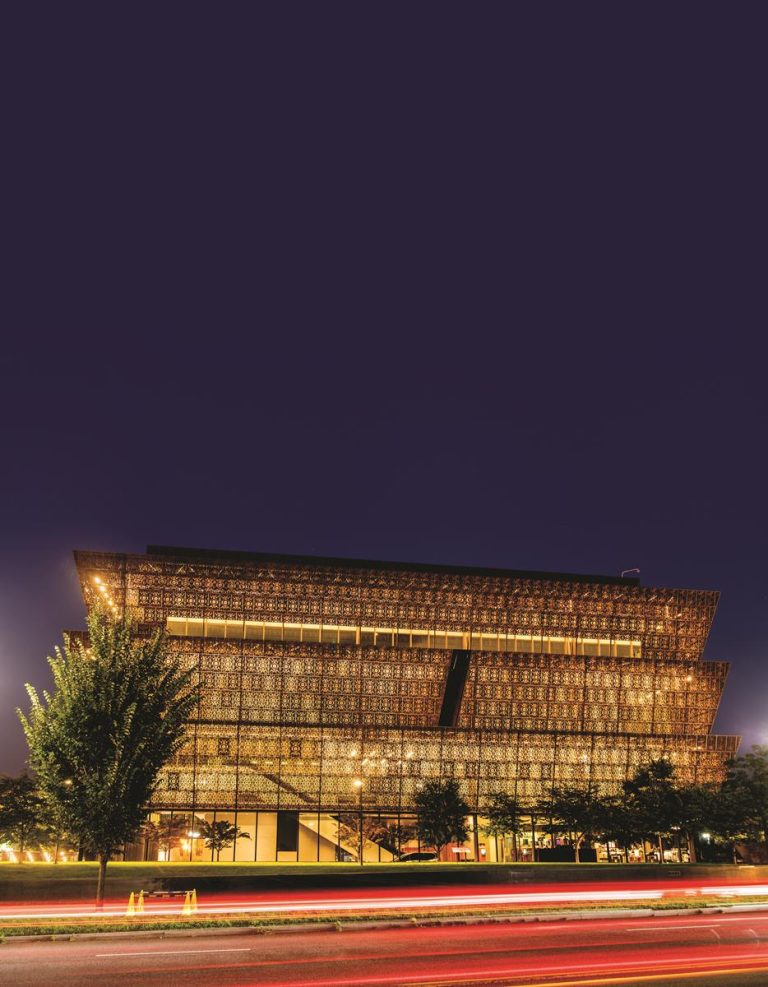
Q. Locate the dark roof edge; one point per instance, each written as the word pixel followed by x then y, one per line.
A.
pixel 213 555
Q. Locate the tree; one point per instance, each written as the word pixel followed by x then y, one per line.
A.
pixel 503 812
pixel 388 835
pixel 97 743
pixel 391 836
pixel 579 810
pixel 747 787
pixel 221 834
pixel 699 809
pixel 441 814
pixel 167 832
pixel 650 795
pixel 620 825
pixel 24 818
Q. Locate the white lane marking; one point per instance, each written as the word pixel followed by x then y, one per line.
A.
pixel 656 928
pixel 176 952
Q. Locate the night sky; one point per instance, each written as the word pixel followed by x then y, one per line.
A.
pixel 479 284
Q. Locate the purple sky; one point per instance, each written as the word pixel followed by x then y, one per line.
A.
pixel 464 285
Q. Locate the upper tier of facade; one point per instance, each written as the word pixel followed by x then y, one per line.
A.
pixel 346 601
pixel 286 639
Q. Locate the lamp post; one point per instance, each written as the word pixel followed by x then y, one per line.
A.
pixel 358 784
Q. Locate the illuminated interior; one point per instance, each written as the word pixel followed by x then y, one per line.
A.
pixel 250 630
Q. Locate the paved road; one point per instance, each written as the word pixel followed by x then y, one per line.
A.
pixel 632 952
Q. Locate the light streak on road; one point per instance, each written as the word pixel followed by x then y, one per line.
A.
pixel 599 952
pixel 387 900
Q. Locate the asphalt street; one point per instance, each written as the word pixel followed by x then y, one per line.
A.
pixel 674 950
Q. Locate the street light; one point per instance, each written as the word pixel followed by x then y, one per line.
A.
pixel 358 784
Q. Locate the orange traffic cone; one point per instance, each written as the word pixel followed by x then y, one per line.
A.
pixel 193 900
pixel 131 907
pixel 140 902
pixel 187 909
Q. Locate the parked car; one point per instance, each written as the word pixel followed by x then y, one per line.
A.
pixel 418 855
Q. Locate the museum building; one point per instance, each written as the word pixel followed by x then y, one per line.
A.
pixel 332 689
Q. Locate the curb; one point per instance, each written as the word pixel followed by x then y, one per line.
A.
pixel 367 926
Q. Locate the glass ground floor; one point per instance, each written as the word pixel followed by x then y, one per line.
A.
pixel 345 836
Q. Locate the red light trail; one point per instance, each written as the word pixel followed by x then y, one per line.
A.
pixel 399 899
pixel 593 953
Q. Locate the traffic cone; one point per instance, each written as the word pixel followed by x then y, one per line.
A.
pixel 140 902
pixel 131 907
pixel 193 900
pixel 187 909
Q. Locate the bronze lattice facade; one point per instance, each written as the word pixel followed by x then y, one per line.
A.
pixel 334 687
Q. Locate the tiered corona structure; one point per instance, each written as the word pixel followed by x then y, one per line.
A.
pixel 331 689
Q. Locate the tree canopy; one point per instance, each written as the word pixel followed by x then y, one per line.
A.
pixel 579 810
pixel 24 817
pixel 221 834
pixel 441 814
pixel 747 787
pixel 652 798
pixel 98 741
pixel 503 812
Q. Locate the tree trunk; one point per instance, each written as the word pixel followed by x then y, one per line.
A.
pixel 661 850
pixel 691 849
pixel 577 848
pixel 103 861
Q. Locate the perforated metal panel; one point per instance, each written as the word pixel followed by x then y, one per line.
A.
pixel 611 676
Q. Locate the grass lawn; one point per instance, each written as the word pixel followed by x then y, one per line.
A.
pixel 40 873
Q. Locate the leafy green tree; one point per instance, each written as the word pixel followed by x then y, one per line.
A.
pixel 746 790
pixel 441 814
pixel 391 836
pixel 97 743
pixel 579 812
pixel 221 834
pixel 503 812
pixel 699 810
pixel 167 833
pixel 652 798
pixel 24 816
pixel 619 824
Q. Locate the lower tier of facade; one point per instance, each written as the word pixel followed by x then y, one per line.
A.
pixel 235 767
pixel 289 836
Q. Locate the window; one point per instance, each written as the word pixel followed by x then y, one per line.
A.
pixel 403 637
pixel 224 746
pixel 172 781
pixel 295 748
